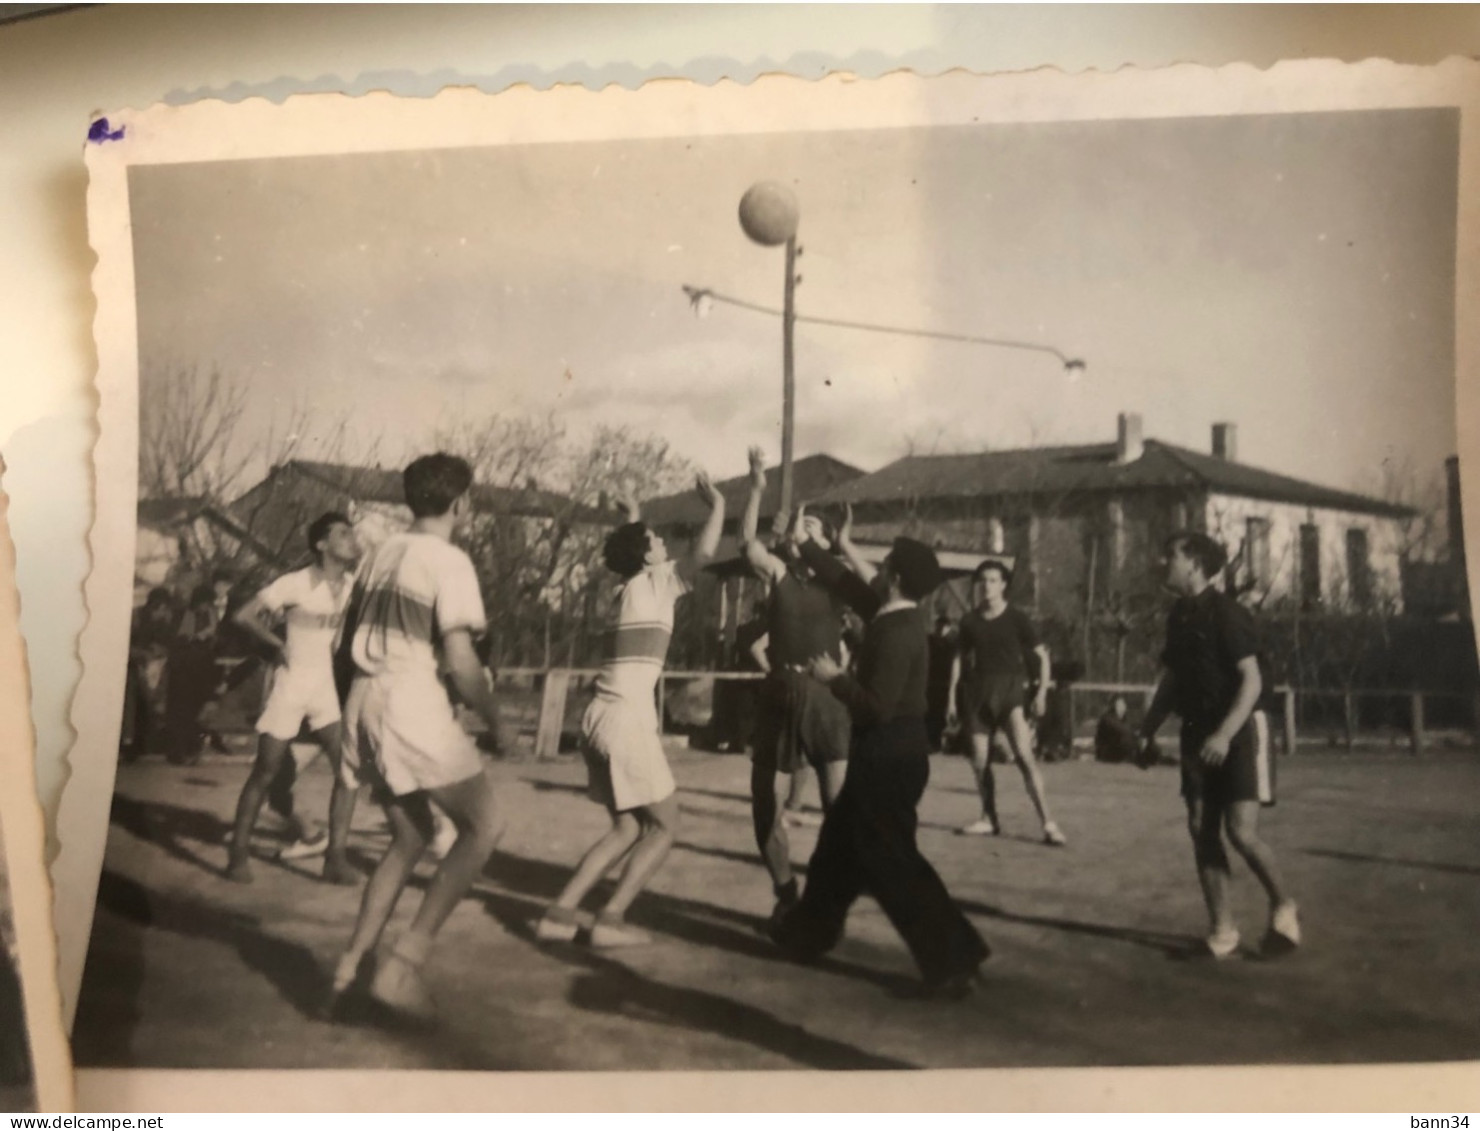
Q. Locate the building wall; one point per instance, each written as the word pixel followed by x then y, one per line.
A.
pixel 1227 519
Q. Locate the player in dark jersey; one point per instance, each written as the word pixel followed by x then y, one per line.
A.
pixel 799 721
pixel 1212 680
pixel 868 843
pixel 998 653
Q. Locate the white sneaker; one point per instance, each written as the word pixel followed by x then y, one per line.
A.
pixel 608 934
pixel 1053 836
pixel 1284 929
pixel 556 930
pixel 982 826
pixel 303 848
pixel 1223 944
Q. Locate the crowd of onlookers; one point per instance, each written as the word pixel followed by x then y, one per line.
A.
pixel 183 654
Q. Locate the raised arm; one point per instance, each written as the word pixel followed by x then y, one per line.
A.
pixel 761 560
pixel 852 589
pixel 855 560
pixel 714 526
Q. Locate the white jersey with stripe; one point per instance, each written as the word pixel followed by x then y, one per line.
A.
pixel 640 631
pixel 412 590
pixel 311 610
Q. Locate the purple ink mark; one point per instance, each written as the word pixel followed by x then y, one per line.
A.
pixel 99 132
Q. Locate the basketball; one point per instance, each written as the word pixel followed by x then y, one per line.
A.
pixel 768 213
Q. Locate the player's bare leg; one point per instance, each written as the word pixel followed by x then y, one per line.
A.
pixel 1020 740
pixel 410 830
pixel 473 808
pixel 337 868
pixel 771 837
pixel 270 754
pixel 659 823
pixel 1242 824
pixel 986 787
pixel 1204 822
pixel 559 923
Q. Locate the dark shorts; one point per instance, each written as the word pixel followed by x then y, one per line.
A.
pixel 798 720
pixel 990 702
pixel 1247 774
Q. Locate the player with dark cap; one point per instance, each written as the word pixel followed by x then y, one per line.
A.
pixel 799 721
pixel 998 649
pixel 1212 680
pixel 867 844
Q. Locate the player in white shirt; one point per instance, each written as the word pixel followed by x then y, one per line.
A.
pixel 310 604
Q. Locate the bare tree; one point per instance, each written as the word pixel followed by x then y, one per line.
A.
pixel 188 421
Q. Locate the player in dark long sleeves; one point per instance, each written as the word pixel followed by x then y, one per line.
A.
pixel 867 843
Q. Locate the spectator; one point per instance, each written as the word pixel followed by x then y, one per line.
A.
pixel 1115 738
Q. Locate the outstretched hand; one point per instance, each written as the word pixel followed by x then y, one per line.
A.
pixel 708 491
pixel 814 530
pixel 757 468
pixel 845 532
pixel 632 507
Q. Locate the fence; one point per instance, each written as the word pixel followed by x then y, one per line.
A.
pixel 1342 714
pixel 1413 714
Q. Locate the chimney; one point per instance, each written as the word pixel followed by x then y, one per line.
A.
pixel 1225 442
pixel 1128 441
pixel 1455 514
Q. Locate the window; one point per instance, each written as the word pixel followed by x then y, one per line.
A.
pixel 1358 567
pixel 1256 552
pixel 1310 565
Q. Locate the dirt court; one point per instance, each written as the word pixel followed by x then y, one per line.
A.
pixel 1091 943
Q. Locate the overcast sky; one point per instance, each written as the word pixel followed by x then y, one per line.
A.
pixel 1294 274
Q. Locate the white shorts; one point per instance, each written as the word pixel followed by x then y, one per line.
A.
pixel 295 697
pixel 400 732
pixel 624 754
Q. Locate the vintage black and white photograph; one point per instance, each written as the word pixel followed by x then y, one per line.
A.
pixel 930 573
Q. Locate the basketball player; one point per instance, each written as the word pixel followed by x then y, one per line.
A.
pixel 311 603
pixel 997 647
pixel 416 596
pixel 800 722
pixel 623 743
pixel 1213 682
pixel 868 840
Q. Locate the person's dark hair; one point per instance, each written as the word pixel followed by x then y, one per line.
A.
pixel 319 529
pixel 942 622
pixel 223 574
pixel 433 483
pixel 202 595
pixel 1205 551
pixel 916 568
pixel 994 563
pixel 626 549
pixel 159 595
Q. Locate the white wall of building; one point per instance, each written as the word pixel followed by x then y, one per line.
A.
pixel 1227 519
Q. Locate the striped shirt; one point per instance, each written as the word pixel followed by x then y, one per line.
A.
pixel 311 610
pixel 412 590
pixel 641 627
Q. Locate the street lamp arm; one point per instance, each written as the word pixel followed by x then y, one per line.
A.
pixel 696 294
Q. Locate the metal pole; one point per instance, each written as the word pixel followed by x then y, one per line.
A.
pixel 788 375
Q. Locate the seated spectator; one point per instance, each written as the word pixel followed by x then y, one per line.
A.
pixel 1115 738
